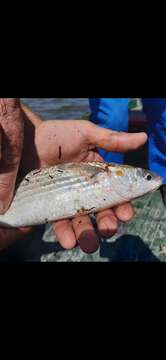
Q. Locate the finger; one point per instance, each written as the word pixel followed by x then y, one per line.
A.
pixel 12 132
pixel 65 234
pixel 9 236
pixel 115 141
pixel 124 212
pixel 85 234
pixel 107 223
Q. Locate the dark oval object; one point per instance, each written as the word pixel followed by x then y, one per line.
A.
pixel 88 242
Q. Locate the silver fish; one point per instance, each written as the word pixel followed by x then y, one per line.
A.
pixel 68 190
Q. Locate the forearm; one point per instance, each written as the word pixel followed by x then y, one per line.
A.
pixel 8 105
pixel 11 122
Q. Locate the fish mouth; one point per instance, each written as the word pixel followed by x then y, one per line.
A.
pixel 160 180
pixel 158 183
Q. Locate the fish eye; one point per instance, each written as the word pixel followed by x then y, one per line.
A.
pixel 148 177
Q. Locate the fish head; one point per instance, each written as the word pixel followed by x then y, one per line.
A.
pixel 132 182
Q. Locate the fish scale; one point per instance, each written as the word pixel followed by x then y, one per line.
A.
pixel 67 190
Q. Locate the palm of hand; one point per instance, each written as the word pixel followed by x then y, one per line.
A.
pixel 56 144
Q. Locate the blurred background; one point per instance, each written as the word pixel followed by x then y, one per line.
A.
pixel 61 108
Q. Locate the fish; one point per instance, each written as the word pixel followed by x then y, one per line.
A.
pixel 73 189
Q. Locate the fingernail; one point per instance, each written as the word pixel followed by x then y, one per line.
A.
pixel 88 243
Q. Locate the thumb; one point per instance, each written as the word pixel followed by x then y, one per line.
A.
pixel 11 130
pixel 115 141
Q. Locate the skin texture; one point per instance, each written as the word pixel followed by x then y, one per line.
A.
pixel 11 145
pixel 53 142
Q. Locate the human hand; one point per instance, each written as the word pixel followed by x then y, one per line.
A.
pixel 67 141
pixel 52 142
